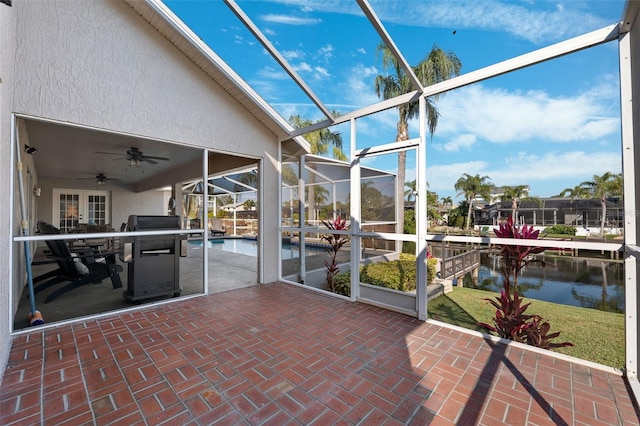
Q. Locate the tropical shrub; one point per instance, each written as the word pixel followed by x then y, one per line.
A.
pixel 432 264
pixel 409 222
pixel 342 284
pixel 510 321
pixel 561 229
pixel 458 216
pixel 409 247
pixel 397 275
pixel 387 274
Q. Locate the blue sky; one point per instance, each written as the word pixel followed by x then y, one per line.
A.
pixel 550 126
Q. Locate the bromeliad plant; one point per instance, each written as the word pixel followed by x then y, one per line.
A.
pixel 336 242
pixel 510 321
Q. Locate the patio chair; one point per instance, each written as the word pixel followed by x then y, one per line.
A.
pixel 217 228
pixel 77 268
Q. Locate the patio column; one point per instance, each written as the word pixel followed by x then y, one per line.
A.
pixel 421 215
pixel 302 206
pixel 629 117
pixel 356 242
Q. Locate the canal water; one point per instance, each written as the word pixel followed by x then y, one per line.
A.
pixel 588 283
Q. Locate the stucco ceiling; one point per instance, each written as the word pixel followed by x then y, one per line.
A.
pixel 73 153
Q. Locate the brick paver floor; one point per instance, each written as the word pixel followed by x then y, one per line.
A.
pixel 281 355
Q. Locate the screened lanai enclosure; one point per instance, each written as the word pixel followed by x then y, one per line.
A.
pixel 375 208
pixel 359 229
pixel 107 197
pixel 232 203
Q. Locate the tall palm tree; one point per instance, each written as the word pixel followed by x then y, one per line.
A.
pixel 323 142
pixel 436 67
pixel 472 187
pixel 603 187
pixel 514 194
pixel 446 201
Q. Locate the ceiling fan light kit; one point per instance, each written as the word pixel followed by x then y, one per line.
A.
pixel 135 163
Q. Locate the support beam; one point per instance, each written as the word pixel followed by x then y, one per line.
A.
pixel 277 56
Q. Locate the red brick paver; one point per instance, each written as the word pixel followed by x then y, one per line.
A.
pixel 278 354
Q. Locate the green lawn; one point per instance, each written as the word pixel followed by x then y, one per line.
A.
pixel 598 336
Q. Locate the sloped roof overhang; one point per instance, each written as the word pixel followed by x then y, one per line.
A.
pixel 180 35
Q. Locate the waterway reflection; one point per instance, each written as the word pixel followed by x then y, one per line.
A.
pixel 589 283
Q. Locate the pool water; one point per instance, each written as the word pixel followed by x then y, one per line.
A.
pixel 250 247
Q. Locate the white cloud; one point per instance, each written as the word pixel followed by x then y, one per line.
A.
pixel 464 141
pixel 357 89
pixel 271 73
pixel 302 67
pixel 321 72
pixel 326 52
pixel 547 174
pixel 442 177
pixel 501 116
pixel 570 167
pixel 292 54
pixel 537 22
pixel 289 20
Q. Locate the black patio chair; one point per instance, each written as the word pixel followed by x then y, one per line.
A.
pixel 80 267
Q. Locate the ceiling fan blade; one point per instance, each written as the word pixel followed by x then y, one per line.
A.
pixel 109 153
pixel 148 160
pixel 156 158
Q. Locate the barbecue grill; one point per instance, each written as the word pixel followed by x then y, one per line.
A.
pixel 153 261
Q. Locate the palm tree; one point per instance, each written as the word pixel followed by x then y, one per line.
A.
pixel 436 67
pixel 410 193
pixel 446 201
pixel 320 141
pixel 603 187
pixel 515 194
pixel 577 191
pixel 472 187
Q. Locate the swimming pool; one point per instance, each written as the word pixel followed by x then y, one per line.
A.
pixel 250 247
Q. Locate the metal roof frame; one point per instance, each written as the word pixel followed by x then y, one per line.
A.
pixel 575 44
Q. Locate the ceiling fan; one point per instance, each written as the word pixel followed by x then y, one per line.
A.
pixel 101 179
pixel 135 157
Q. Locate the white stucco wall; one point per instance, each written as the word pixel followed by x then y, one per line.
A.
pixel 98 63
pixel 7 53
